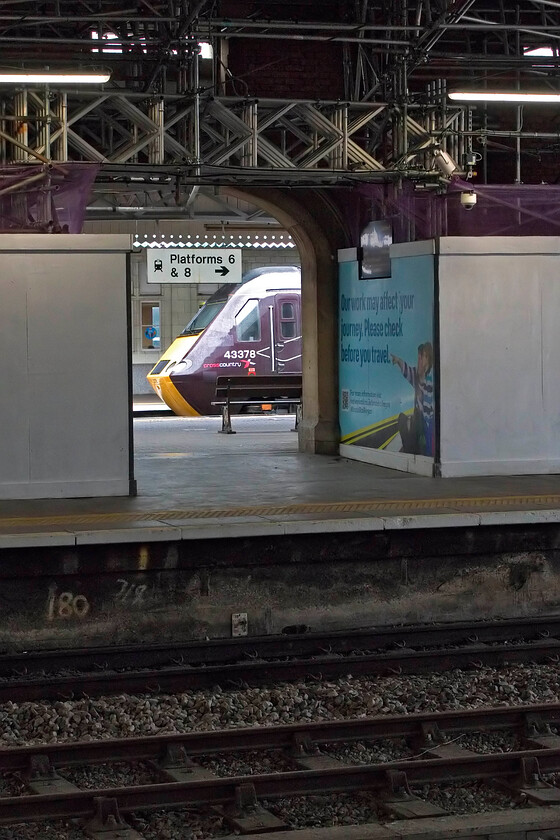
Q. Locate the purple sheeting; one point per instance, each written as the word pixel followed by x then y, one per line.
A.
pixel 41 198
pixel 500 210
pixel 44 198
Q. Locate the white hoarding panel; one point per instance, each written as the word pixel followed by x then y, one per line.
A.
pixel 194 265
pixel 499 360
pixel 64 402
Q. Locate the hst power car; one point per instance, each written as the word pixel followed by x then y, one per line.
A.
pixel 250 328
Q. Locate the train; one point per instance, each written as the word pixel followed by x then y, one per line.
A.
pixel 252 328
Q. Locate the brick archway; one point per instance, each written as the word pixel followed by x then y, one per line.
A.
pixel 318 228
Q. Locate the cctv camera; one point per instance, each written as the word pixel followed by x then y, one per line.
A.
pixel 468 200
pixel 444 163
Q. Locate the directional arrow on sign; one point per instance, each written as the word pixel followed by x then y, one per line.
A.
pixel 222 270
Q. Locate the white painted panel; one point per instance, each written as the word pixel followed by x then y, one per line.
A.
pixel 64 489
pixel 83 242
pixel 496 245
pixel 417 464
pixel 550 313
pixel 347 254
pixel 412 249
pixel 69 410
pixel 78 365
pixel 499 356
pixel 14 390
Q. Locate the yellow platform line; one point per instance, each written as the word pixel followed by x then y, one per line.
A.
pixel 386 506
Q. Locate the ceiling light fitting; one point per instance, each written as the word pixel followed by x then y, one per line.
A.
pixel 495 96
pixel 44 78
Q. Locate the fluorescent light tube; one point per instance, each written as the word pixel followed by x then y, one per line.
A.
pixel 515 96
pixel 73 78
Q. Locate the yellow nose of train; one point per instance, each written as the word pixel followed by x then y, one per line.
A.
pixel 160 379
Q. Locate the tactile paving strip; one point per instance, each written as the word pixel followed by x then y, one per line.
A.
pixel 381 506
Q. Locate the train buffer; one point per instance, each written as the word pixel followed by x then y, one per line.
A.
pixel 280 389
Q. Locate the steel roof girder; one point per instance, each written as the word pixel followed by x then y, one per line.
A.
pixel 178 116
pixel 124 154
pixel 230 120
pixel 274 155
pixel 295 130
pixel 313 157
pixel 223 154
pixel 415 128
pixel 136 116
pixel 309 158
pixel 361 121
pixel 359 155
pixel 86 109
pixel 276 116
pixel 318 121
pixel 173 145
pixel 89 152
pixel 125 132
pixel 73 118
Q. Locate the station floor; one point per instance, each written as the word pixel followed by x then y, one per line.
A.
pixel 196 483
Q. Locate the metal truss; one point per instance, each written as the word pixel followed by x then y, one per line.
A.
pixel 209 136
pixel 162 127
pixel 151 42
pixel 120 196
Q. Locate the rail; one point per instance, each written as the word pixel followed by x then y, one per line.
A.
pixel 396 775
pixel 295 641
pixel 274 389
pixel 422 728
pixel 186 677
pixel 178 781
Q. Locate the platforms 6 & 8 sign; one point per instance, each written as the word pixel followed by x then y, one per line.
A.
pixel 194 265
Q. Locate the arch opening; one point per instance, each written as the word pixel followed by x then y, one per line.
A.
pixel 318 228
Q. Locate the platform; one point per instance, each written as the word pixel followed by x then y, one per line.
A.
pixel 194 483
pixel 150 405
pixel 245 525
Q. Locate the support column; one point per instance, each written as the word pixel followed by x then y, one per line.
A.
pixel 319 430
pixel 21 129
pixel 156 149
pixel 60 146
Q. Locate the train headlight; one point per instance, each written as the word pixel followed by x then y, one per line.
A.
pixel 159 367
pixel 181 367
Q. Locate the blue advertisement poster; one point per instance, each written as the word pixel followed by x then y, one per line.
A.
pixel 386 357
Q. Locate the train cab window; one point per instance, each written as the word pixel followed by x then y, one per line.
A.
pixel 204 316
pixel 247 322
pixel 150 326
pixel 288 320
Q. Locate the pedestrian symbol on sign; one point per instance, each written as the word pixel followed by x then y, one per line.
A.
pixel 151 332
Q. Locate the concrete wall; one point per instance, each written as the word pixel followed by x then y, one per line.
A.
pixel 72 596
pixel 64 384
pixel 499 299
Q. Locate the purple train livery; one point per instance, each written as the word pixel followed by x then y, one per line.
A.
pixel 250 328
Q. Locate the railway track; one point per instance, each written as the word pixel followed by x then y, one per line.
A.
pixel 268 659
pixel 526 721
pixel 295 642
pixel 246 802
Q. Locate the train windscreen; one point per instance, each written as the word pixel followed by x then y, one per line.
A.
pixel 203 317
